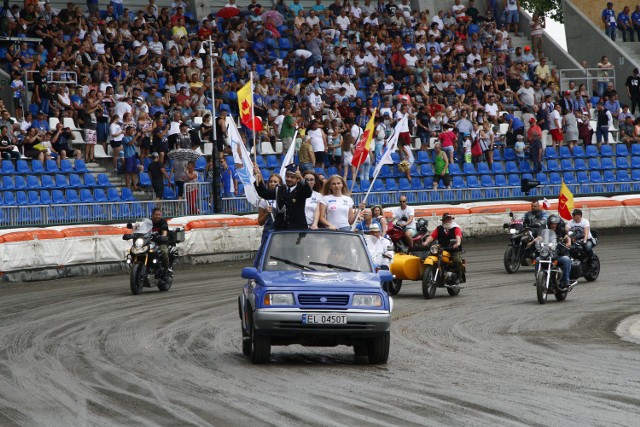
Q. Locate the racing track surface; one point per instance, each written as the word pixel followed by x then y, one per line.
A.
pixel 84 351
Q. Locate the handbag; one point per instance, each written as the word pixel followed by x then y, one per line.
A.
pixel 40 147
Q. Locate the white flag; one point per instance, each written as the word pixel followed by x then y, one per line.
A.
pixel 391 147
pixel 241 157
pixel 288 159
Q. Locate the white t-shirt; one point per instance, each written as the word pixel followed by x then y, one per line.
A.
pixel 317 141
pixel 337 209
pixel 310 206
pixel 113 129
pixel 584 223
pixel 406 212
pixel 555 115
pixel 491 110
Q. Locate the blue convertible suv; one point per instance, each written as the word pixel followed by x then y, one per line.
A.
pixel 315 288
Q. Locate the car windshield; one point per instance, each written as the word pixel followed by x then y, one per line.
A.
pixel 328 251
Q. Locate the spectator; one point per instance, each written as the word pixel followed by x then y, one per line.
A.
pixel 129 142
pixel 157 175
pixel 624 24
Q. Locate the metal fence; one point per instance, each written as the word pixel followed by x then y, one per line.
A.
pixel 58 214
pixel 592 78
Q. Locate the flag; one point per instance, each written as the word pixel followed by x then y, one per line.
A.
pixel 245 102
pixel 242 160
pixel 565 202
pixel 545 204
pixel 390 148
pixel 288 158
pixel 362 148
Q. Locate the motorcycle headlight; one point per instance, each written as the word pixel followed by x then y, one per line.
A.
pixel 139 242
pixel 552 246
pixel 434 249
pixel 367 301
pixel 544 251
pixel 141 250
pixel 512 231
pixel 278 299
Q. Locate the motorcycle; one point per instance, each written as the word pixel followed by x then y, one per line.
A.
pixel 581 263
pixel 548 272
pixel 519 252
pixel 396 235
pixel 439 272
pixel 144 256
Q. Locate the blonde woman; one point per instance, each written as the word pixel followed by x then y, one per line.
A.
pixel 336 210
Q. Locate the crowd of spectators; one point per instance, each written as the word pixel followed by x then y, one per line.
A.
pixel 140 80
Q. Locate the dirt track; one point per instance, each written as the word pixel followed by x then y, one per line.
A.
pixel 86 352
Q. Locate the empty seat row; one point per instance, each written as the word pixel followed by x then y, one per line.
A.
pixel 35 182
pixel 44 197
pixel 24 167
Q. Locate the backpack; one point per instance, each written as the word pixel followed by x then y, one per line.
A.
pixel 476 150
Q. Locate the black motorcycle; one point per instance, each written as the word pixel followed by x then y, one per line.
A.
pixel 144 257
pixel 581 264
pixel 520 252
pixel 548 272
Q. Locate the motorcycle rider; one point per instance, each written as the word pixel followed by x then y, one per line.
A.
pixel 405 216
pixel 536 217
pixel 587 239
pixel 443 234
pixel 380 248
pixel 554 224
pixel 161 226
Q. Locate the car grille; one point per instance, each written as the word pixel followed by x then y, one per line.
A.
pixel 323 299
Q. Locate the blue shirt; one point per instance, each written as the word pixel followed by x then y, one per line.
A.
pixel 516 123
pixel 635 17
pixel 609 17
pixel 361 226
pixel 226 177
pixel 129 150
pixel 623 18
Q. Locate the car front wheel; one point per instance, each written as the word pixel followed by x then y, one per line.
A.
pixel 260 347
pixel 378 349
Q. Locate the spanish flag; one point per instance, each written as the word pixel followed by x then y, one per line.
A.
pixel 362 147
pixel 565 202
pixel 245 102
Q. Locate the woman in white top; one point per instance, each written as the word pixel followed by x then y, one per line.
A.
pixel 117 134
pixel 336 207
pixel 311 206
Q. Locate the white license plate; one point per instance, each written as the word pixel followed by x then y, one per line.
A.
pixel 324 319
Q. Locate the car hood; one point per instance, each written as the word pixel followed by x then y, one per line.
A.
pixel 325 279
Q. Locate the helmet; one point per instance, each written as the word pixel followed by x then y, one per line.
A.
pixel 422 225
pixel 553 219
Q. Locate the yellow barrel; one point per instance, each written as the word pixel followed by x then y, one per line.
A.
pixel 406 267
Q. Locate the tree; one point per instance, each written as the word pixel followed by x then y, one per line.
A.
pixel 549 8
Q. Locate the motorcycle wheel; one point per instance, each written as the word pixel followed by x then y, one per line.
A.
pixel 561 296
pixel 165 284
pixel 593 271
pixel 260 347
pixel 511 261
pixel 137 278
pixel 541 287
pixel 453 291
pixel 394 286
pixel 428 284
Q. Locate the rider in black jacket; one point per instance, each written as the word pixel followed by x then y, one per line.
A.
pixel 536 217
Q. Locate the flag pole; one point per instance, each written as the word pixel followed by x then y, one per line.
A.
pixel 253 123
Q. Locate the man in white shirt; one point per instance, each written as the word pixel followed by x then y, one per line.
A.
pixel 123 106
pixel 588 241
pixel 404 214
pixel 343 21
pixel 491 109
pixel 524 95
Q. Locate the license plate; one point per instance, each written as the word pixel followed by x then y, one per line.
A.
pixel 324 319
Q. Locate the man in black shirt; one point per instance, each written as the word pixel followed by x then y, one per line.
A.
pixel 6 145
pixel 157 175
pixel 633 89
pixel 161 226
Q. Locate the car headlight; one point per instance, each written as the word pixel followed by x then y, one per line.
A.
pixel 139 242
pixel 278 299
pixel 434 249
pixel 367 301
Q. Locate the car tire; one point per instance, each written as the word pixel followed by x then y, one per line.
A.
pixel 260 347
pixel 246 346
pixel 394 286
pixel 378 349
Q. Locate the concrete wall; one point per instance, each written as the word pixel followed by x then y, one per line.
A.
pixel 587 41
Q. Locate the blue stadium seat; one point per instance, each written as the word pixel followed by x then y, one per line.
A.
pixel 34 197
pixel 378 185
pixel 468 169
pixel 483 168
pixel 622 176
pixel 622 150
pixel 127 195
pixel 145 181
pixel 497 155
pixel 591 151
pixel 606 150
pixel 579 164
pixel 72 196
pixel 501 181
pixel 100 196
pixel 90 180
pixel 550 153
pixel 525 167
pixel 454 169
pixel 47 182
pixel 607 162
pixel 21 182
pixel 564 152
pixel 394 156
pixel 497 168
pixel 86 196
pixel 552 165
pixel 391 184
pixel 635 149
pixel 201 163
pixel 635 162
pixel 472 181
pixel 514 179
pixel 509 154
pixel 75 181
pixel 512 167
pixel 169 194
pixel 112 193
pixel 52 167
pixel 9 198
pixel 103 180
pixel 58 196
pixel 608 176
pixel 582 177
pixel 555 178
pixel 566 165
pixel 404 184
pixel 622 163
pixel 273 162
pixel 61 181
pixel 426 169
pixel 37 167
pixel 364 185
pixel 22 167
pixel 578 151
pixel 33 182
pixel 8 168
pixel 635 175
pixel 569 178
pixel 21 198
pixel 332 170
pixel 45 197
pixel 80 166
pixel 7 183
pixel 594 163
pixel 596 177
pixel 417 184
pixel 65 166
pixel 414 171
pixel 423 157
pixel 543 178
pixel 458 182
pixel 487 181
pixel 284 43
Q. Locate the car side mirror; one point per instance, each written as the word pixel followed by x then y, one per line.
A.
pixel 250 273
pixel 385 276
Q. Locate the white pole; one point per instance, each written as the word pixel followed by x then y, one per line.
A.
pixel 253 122
pixel 213 90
